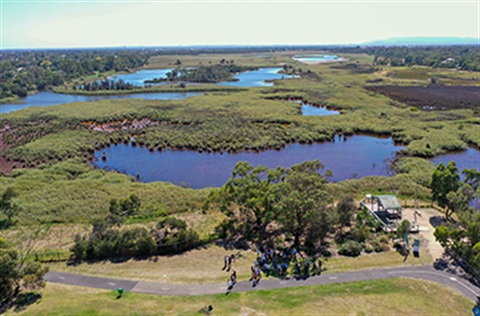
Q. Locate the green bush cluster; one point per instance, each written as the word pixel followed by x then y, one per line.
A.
pixel 350 248
pixel 106 241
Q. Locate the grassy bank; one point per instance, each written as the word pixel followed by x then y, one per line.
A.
pixel 405 296
pixel 72 192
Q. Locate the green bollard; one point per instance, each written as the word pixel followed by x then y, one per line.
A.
pixel 120 291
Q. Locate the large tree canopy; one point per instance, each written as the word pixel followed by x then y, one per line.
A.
pixel 262 203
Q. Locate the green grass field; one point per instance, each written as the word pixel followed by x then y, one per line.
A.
pixel 379 297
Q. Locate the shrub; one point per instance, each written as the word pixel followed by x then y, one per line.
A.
pixel 368 248
pixel 350 248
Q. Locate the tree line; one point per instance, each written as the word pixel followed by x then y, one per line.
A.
pixel 105 85
pixel 460 57
pixel 462 232
pixel 205 74
pixel 24 71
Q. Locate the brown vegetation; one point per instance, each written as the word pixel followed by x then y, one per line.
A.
pixel 433 97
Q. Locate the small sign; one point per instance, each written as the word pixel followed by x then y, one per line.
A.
pixel 476 311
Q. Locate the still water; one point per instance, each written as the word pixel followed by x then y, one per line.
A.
pixel 51 98
pixel 358 156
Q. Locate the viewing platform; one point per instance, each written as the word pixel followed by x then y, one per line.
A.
pixel 387 210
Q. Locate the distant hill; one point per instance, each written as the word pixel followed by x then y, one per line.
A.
pixel 419 41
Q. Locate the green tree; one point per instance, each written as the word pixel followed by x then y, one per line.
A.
pixel 403 229
pixel 247 200
pixel 345 209
pixel 7 206
pixel 300 198
pixel 16 274
pixel 442 235
pixel 445 180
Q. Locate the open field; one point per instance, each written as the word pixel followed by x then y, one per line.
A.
pixel 405 297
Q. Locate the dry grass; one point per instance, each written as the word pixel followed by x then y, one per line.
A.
pixel 45 237
pixel 197 266
pixel 374 261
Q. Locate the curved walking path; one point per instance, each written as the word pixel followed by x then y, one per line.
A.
pixel 425 272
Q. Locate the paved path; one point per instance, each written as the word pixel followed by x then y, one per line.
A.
pixel 426 272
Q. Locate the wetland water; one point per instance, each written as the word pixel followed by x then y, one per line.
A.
pixel 253 78
pixel 257 78
pixel 137 78
pixel 316 58
pixel 467 159
pixel 357 157
pixel 51 98
pixel 312 110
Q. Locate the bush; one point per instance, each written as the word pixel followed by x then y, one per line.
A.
pixel 350 248
pixel 368 248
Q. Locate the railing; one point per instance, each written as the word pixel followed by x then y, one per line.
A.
pixel 387 227
pixel 467 267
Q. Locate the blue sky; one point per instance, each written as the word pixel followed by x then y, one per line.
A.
pixel 39 24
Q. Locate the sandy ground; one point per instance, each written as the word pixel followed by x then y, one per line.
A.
pixel 427 220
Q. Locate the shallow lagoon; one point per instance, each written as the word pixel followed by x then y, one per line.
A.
pixel 51 98
pixel 358 156
pixel 316 58
pixel 257 78
pixel 312 110
pixel 137 78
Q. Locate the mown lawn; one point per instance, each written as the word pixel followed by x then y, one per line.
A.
pixel 379 297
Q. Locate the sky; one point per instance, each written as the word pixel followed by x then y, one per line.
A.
pixel 97 23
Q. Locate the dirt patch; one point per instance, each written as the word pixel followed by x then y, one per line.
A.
pixel 433 97
pixel 120 125
pixel 427 220
pixel 6 166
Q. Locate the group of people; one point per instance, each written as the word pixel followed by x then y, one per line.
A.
pixel 272 262
pixel 277 263
pixel 227 265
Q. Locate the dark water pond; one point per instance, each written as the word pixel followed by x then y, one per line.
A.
pixel 467 159
pixel 358 156
pixel 311 110
pixel 257 78
pixel 51 98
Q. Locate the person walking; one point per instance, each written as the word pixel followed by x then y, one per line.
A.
pixel 229 287
pixel 230 260
pixel 233 277
pixel 225 262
